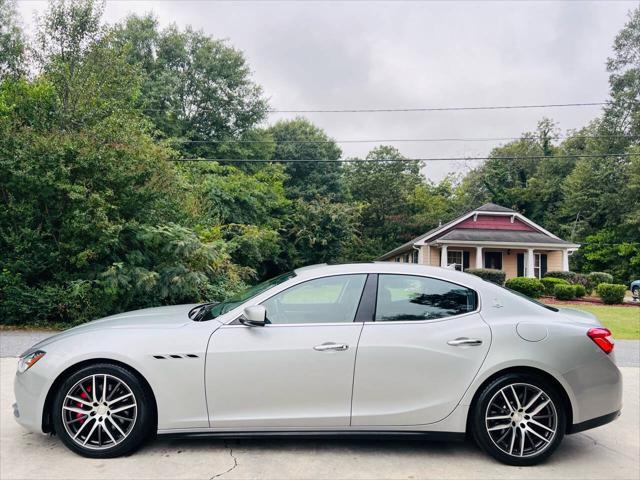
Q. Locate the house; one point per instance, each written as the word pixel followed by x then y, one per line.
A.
pixel 490 236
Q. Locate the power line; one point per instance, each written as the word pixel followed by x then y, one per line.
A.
pixel 384 160
pixel 442 109
pixel 411 109
pixel 395 140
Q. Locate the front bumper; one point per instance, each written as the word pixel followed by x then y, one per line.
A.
pixel 30 390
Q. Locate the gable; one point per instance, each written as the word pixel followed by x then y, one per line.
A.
pixel 494 222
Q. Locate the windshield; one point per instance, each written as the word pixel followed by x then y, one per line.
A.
pixel 215 310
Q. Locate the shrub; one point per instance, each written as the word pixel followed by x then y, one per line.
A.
pixel 596 278
pixel 489 274
pixel 565 292
pixel 568 276
pixel 531 287
pixel 611 293
pixel 550 283
pixel 583 280
pixel 580 290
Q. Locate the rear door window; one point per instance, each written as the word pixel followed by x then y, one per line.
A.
pixel 409 297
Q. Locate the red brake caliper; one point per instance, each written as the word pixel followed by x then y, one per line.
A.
pixel 84 396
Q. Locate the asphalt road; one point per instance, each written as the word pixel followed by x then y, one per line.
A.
pixel 611 451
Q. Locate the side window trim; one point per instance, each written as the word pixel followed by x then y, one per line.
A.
pixel 367 308
pixel 400 322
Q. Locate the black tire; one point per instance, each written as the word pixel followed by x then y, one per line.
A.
pixel 137 431
pixel 490 395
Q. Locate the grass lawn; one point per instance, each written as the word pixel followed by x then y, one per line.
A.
pixel 624 322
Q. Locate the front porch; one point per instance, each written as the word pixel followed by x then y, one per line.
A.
pixel 515 261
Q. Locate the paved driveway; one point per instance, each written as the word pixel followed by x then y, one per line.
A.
pixel 612 451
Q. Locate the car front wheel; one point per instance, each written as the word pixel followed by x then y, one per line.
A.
pixel 519 419
pixel 102 411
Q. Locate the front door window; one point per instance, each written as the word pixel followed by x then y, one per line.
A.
pixel 322 300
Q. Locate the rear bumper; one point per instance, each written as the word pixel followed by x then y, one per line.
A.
pixel 595 389
pixel 593 423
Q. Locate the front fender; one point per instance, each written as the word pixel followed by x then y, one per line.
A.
pixel 172 362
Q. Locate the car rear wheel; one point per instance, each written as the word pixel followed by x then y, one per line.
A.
pixel 519 419
pixel 102 411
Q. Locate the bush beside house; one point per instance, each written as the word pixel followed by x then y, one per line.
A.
pixel 489 274
pixel 580 290
pixel 550 283
pixel 565 291
pixel 568 276
pixel 531 287
pixel 583 280
pixel 611 293
pixel 596 278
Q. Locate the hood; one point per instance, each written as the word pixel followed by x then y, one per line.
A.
pixel 158 317
pixel 579 316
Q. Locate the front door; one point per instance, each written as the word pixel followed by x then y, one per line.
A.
pixel 419 356
pixel 296 371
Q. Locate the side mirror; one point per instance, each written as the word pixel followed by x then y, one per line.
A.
pixel 254 316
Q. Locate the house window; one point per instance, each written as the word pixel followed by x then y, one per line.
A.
pixel 414 256
pixel 454 257
pixel 397 259
pixel 539 264
pixel 493 260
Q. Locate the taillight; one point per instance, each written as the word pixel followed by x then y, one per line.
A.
pixel 602 338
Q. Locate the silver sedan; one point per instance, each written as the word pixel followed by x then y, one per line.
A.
pixel 362 349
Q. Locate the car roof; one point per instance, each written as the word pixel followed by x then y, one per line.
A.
pixel 324 269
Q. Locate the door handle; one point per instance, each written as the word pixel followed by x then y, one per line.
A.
pixel 331 346
pixel 465 342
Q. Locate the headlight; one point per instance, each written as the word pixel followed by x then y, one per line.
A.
pixel 29 360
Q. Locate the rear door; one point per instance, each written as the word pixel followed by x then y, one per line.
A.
pixel 420 354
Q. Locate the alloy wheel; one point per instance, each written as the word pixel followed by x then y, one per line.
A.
pixel 521 420
pixel 99 411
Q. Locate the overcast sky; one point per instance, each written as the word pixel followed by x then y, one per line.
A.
pixel 412 54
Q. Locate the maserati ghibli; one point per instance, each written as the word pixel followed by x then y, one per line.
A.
pixel 359 349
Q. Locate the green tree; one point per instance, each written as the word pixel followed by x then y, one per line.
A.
pixel 74 51
pixel 90 200
pixel 507 181
pixel 242 208
pixel 622 114
pixel 197 90
pixel 384 184
pixel 320 231
pixel 12 42
pixel 299 139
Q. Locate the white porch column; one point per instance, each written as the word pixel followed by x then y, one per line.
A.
pixel 479 263
pixel 443 256
pixel 530 263
pixel 565 260
pixel 420 255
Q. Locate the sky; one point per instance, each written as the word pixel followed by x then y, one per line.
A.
pixel 411 54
